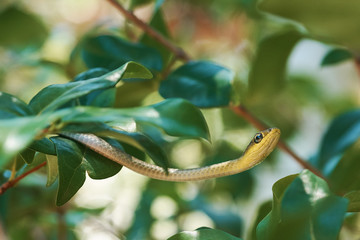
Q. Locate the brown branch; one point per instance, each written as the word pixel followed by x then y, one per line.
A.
pixel 179 53
pixel 357 65
pixel 243 112
pixel 11 183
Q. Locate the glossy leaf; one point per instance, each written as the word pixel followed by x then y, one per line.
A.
pixel 267 74
pixel 98 166
pixel 99 98
pixel 335 56
pixel 263 210
pixel 43 145
pixel 204 84
pixel 71 171
pixel 203 234
pixel 18 133
pixel 341 25
pixel 132 94
pixel 11 106
pixel 303 208
pixel 175 116
pixel 142 140
pixel 345 177
pixel 152 141
pixel 55 96
pixel 110 52
pixel 52 168
pixel 91 73
pixel 20 29
pixel 144 127
pixel 27 155
pixel 341 134
pixel 73 160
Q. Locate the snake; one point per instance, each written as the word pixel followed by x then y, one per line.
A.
pixel 260 146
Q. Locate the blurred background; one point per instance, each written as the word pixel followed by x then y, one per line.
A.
pixel 37 45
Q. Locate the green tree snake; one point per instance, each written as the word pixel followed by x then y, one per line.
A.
pixel 262 144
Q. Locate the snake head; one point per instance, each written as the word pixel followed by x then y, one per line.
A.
pixel 262 144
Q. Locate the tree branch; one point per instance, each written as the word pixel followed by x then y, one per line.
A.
pixel 11 183
pixel 178 52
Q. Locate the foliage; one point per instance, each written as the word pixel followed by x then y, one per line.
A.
pixel 141 99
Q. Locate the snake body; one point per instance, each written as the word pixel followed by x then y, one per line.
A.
pixel 258 149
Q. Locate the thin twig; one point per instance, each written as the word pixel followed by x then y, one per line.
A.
pixel 178 52
pixel 11 183
pixel 357 64
pixel 243 112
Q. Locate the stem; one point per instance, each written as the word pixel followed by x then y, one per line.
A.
pixel 243 112
pixel 11 183
pixel 179 53
pixel 357 64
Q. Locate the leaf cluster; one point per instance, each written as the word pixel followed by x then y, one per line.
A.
pixel 112 79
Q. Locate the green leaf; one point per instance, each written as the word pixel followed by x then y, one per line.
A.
pixel 73 160
pixel 263 210
pixel 354 201
pixel 52 168
pixel 133 137
pixel 303 208
pixel 98 166
pixel 176 117
pixel 335 56
pixel 341 25
pixel 71 171
pixel 110 52
pixel 18 133
pixel 20 29
pixel 27 155
pixel 144 127
pixel 55 96
pixel 341 134
pixel 132 94
pixel 99 98
pixel 152 141
pixel 91 73
pixel 43 145
pixel 345 175
pixel 205 84
pixel 11 106
pixel 203 234
pixel 267 74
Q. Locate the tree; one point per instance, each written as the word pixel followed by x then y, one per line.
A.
pixel 133 86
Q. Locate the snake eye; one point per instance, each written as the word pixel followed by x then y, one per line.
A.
pixel 258 137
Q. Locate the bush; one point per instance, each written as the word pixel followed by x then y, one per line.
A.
pixel 148 97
